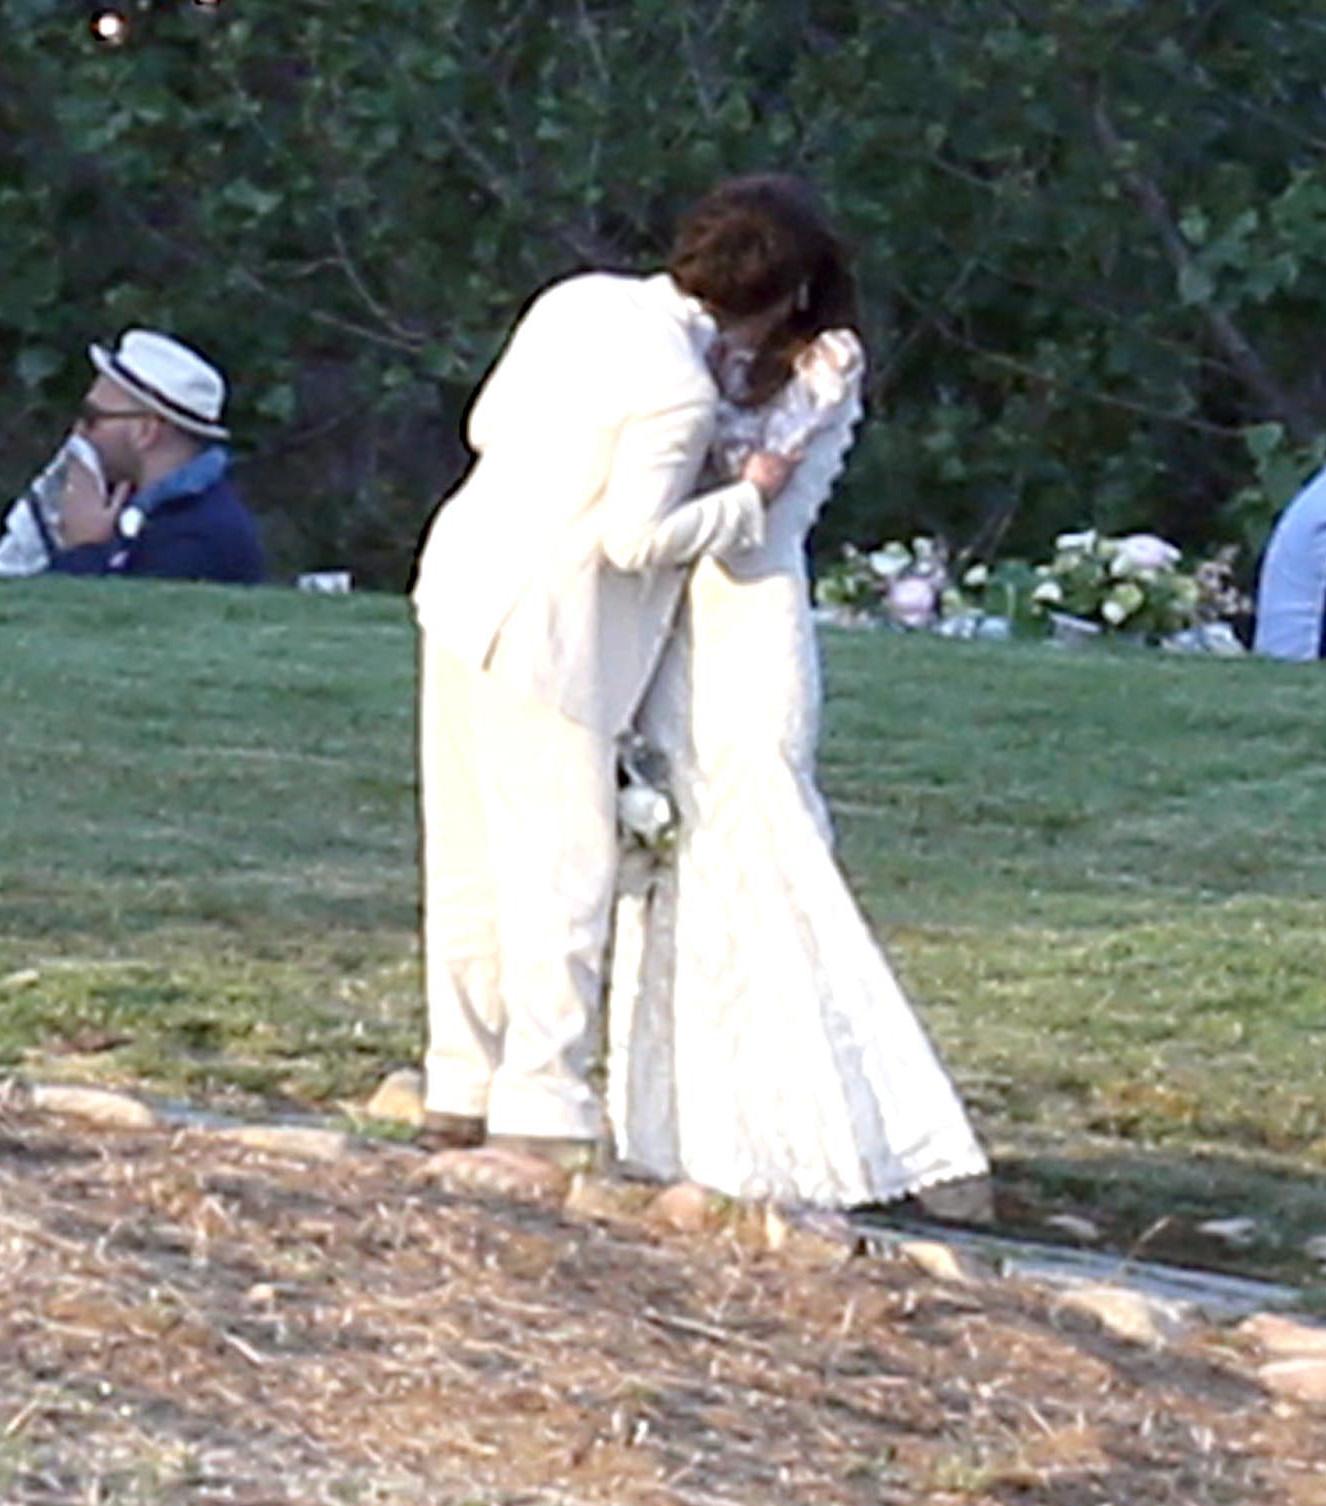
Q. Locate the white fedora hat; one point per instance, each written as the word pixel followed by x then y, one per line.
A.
pixel 168 378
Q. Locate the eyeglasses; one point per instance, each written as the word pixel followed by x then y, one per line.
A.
pixel 90 413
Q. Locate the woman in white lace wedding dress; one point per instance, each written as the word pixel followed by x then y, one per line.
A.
pixel 759 1041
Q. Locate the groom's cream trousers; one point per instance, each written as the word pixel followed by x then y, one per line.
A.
pixel 518 815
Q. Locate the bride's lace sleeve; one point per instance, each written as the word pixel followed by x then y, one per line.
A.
pixel 825 382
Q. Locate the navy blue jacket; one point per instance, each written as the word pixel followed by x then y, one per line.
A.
pixel 192 526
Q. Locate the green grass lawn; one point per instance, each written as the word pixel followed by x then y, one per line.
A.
pixel 1101 873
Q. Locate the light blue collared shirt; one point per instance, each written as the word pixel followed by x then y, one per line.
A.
pixel 1291 591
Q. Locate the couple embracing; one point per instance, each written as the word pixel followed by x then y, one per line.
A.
pixel 627 554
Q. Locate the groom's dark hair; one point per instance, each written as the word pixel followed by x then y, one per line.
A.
pixel 754 241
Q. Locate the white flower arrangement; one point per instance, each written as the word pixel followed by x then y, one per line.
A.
pixel 1132 584
pixel 1094 584
pixel 902 585
pixel 912 587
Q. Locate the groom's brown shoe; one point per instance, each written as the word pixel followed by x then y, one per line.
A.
pixel 568 1154
pixel 450 1132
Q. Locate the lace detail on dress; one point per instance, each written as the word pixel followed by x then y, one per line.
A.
pixel 826 377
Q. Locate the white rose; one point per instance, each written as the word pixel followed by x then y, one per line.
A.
pixel 1143 551
pixel 976 577
pixel 890 561
pixel 1077 543
pixel 1048 593
pixel 1114 612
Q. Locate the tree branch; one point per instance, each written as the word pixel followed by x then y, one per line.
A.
pixel 412 337
pixel 1273 397
pixel 1104 399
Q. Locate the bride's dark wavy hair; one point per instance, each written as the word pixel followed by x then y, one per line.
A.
pixel 753 241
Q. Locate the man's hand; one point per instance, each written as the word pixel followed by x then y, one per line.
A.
pixel 769 472
pixel 86 515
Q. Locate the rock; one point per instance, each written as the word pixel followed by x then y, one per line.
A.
pixel 944 1262
pixel 777 1230
pixel 399 1097
pixel 89 1041
pixel 100 1105
pixel 597 1197
pixel 685 1207
pixel 1127 1314
pixel 15 1095
pixel 300 1142
pixel 1072 632
pixel 1302 1378
pixel 1078 1227
pixel 816 1239
pixel 1235 1232
pixel 496 1173
pixel 960 1200
pixel 1316 1247
pixel 1279 1335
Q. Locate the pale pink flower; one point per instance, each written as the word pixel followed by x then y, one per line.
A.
pixel 912 601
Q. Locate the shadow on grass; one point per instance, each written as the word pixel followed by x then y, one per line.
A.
pixel 1151 1205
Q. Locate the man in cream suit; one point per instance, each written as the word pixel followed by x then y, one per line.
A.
pixel 546 589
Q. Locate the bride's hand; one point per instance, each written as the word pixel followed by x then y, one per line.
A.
pixel 769 472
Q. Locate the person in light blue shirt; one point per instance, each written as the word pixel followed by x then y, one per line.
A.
pixel 1291 589
pixel 163 505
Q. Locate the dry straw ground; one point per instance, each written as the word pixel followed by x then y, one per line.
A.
pixel 191 1321
pixel 1103 879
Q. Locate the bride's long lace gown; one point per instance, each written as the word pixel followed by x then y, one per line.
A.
pixel 759 1041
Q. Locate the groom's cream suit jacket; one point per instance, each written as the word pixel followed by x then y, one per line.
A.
pixel 557 564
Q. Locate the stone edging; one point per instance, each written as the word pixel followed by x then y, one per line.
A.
pixel 1141 1303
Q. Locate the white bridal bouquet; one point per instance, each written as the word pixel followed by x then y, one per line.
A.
pixel 646 813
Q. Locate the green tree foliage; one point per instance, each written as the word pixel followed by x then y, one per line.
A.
pixel 1090 233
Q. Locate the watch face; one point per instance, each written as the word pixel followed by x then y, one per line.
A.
pixel 131 523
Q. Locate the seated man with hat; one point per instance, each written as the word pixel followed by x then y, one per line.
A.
pixel 164 505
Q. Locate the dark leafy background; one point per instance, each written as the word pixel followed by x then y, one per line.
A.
pixel 1090 234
